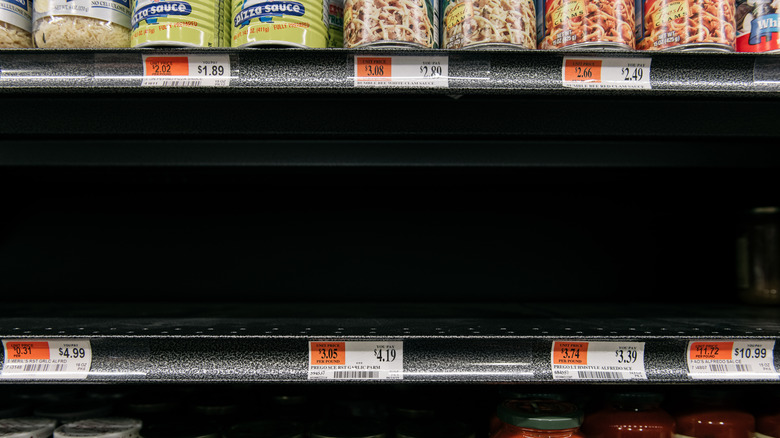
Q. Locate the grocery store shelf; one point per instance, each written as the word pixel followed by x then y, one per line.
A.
pixel 435 350
pixel 280 71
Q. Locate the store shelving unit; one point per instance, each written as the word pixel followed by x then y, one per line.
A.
pixel 509 190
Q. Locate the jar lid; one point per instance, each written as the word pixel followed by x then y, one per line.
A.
pixel 540 414
pixel 266 429
pixel 636 400
pixel 433 429
pixel 27 427
pixel 348 428
pixel 100 428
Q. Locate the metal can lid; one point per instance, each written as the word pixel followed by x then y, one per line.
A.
pixel 266 429
pixel 540 414
pixel 100 428
pixel 433 429
pixel 182 429
pixel 349 428
pixel 73 410
pixel 27 427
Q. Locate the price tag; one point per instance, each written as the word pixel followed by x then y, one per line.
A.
pixel 46 359
pixel 402 71
pixel 576 360
pixel 356 360
pixel 728 360
pixel 186 71
pixel 619 73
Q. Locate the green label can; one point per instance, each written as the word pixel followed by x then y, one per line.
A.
pixel 180 23
pixel 336 23
pixel 391 23
pixel 285 23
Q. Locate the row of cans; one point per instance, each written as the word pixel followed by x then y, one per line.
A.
pixel 725 25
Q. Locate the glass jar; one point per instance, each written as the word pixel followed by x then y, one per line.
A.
pixel 538 419
pixel 631 415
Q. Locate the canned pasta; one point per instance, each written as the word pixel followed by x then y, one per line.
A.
pixel 600 24
pixel 688 25
pixel 472 23
pixel 401 23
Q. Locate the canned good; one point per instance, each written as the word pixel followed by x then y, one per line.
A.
pixel 180 23
pixel 391 23
pixel 283 23
pixel 29 427
pixel 81 24
pixel 100 428
pixel 758 26
pixel 15 24
pixel 688 25
pixel 758 256
pixel 588 24
pixel 476 23
pixel 336 23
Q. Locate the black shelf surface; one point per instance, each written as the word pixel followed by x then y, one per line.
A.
pixel 281 71
pixel 444 350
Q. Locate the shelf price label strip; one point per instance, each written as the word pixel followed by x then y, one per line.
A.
pixel 186 70
pixel 46 359
pixel 578 360
pixel 606 73
pixel 731 360
pixel 356 360
pixel 401 71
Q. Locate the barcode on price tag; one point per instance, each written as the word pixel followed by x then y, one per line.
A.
pixel 727 360
pixel 618 73
pixel 402 71
pixel 356 360
pixel 46 359
pixel 578 360
pixel 186 71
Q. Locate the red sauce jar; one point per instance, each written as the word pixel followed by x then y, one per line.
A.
pixel 768 426
pixel 631 415
pixel 538 419
pixel 713 417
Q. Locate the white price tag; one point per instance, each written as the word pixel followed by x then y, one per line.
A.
pixel 402 71
pixel 33 359
pixel 728 360
pixel 577 360
pixel 356 360
pixel 619 73
pixel 186 70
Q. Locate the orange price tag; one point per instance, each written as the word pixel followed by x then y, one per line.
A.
pixel 167 66
pixel 711 350
pixel 328 353
pixel 374 69
pixel 27 350
pixel 565 353
pixel 582 70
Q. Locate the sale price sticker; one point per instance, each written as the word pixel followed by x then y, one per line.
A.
pixel 186 71
pixel 46 359
pixel 616 73
pixel 578 360
pixel 402 71
pixel 356 360
pixel 728 360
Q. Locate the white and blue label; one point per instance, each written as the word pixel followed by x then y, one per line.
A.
pixel 114 11
pixel 764 27
pixel 17 13
pixel 266 12
pixel 151 12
